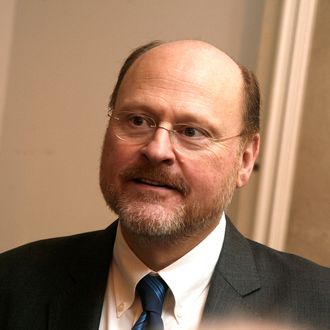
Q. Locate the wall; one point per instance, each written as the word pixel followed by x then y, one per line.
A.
pixel 309 226
pixel 64 59
pixel 244 205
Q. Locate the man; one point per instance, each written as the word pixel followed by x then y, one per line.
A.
pixel 182 136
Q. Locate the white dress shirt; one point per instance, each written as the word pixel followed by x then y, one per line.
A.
pixel 188 280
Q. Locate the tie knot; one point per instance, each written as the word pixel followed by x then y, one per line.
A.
pixel 152 290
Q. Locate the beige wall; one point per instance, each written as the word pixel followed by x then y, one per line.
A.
pixel 243 207
pixel 309 226
pixel 64 58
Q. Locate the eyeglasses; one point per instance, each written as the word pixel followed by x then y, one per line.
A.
pixel 138 128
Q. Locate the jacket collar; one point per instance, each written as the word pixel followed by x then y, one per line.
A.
pixel 235 277
pixel 79 305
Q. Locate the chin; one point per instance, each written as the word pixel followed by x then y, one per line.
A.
pixel 152 219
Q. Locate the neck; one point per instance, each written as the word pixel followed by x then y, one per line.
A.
pixel 159 252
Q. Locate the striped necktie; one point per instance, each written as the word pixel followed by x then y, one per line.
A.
pixel 151 290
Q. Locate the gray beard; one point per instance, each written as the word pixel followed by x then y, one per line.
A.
pixel 146 217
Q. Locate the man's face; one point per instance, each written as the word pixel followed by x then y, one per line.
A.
pixel 160 191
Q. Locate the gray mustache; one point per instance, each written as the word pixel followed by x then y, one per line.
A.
pixel 159 175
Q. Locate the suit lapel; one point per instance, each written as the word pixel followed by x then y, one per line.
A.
pixel 235 277
pixel 79 305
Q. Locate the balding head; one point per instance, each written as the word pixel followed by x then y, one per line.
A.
pixel 194 55
pixel 199 62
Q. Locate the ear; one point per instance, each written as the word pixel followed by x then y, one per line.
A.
pixel 248 157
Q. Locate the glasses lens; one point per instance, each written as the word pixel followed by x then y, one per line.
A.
pixel 132 127
pixel 190 137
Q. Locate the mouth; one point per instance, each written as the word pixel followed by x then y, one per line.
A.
pixel 155 179
pixel 154 183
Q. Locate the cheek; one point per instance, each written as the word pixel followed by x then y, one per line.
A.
pixel 205 175
pixel 210 174
pixel 115 158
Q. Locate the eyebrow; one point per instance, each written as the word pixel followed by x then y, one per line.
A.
pixel 137 106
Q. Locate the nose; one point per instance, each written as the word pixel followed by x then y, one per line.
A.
pixel 160 148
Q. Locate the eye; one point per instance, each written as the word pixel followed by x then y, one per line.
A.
pixel 192 132
pixel 136 120
pixel 139 121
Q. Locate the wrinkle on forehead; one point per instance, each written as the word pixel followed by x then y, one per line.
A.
pixel 194 63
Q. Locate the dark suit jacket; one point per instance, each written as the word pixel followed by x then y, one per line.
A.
pixel 60 283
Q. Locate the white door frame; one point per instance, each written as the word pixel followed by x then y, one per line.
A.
pixel 7 15
pixel 285 111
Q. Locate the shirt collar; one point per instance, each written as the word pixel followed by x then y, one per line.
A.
pixel 128 269
pixel 200 262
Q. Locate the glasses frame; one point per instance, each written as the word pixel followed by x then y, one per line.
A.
pixel 172 132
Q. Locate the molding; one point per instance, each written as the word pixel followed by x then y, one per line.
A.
pixel 7 17
pixel 285 111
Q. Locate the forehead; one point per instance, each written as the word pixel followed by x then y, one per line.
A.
pixel 185 76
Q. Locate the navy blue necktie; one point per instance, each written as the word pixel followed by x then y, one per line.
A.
pixel 151 290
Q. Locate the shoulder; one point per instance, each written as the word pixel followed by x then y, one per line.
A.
pixel 275 283
pixel 271 260
pixel 54 253
pixel 35 275
pixel 285 264
pixel 296 285
pixel 277 272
